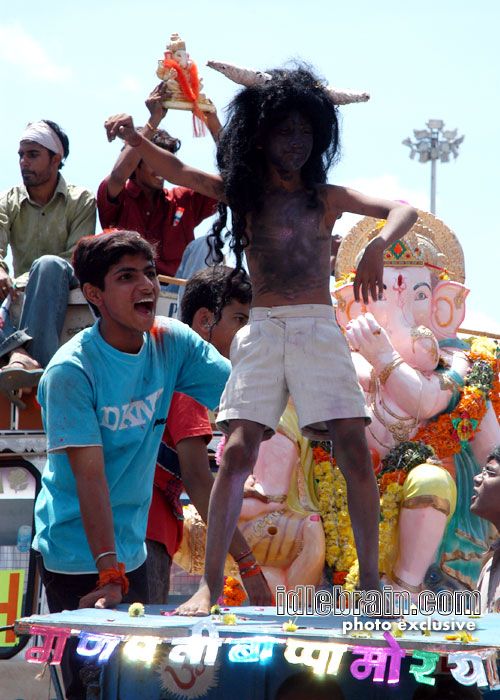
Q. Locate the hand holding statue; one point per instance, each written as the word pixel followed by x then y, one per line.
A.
pixel 154 103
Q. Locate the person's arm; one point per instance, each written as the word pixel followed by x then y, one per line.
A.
pixel 87 464
pixel 82 223
pixel 129 158
pixel 335 242
pixel 214 125
pixel 163 162
pixel 72 427
pixel 6 284
pixel 399 219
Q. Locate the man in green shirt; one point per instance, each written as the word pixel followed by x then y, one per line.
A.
pixel 42 220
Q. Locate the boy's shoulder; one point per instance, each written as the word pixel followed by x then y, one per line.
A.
pixel 71 352
pixel 72 358
pixel 165 327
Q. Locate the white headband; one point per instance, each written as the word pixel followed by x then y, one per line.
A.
pixel 41 133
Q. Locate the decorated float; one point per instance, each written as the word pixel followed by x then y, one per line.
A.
pixel 433 397
pixel 434 402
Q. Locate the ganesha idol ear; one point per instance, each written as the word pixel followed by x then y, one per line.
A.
pixel 448 308
pixel 347 307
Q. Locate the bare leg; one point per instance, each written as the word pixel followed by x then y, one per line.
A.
pixel 353 458
pixel 238 459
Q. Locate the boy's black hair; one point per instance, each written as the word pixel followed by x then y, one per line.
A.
pixel 63 139
pixel 95 255
pixel 240 158
pixel 162 139
pixel 494 455
pixel 213 288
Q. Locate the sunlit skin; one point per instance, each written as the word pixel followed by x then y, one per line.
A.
pixel 277 223
pixel 127 304
pixel 234 316
pixel 149 182
pixel 288 144
pixel 39 170
pixel 288 255
pixel 486 498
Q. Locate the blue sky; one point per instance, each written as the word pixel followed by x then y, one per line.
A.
pixel 77 63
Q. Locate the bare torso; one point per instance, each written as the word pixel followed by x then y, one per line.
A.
pixel 289 252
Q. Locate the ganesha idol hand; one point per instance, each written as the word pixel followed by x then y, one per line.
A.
pixel 368 338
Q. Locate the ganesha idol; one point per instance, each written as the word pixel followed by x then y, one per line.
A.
pixel 279 517
pixel 413 369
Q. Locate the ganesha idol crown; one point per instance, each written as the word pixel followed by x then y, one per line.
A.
pixel 403 252
pixel 429 242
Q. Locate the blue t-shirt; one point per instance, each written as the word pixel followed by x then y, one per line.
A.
pixel 93 394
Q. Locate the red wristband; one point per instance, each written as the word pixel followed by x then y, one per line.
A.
pixel 254 570
pixel 242 555
pixel 246 565
pixel 114 575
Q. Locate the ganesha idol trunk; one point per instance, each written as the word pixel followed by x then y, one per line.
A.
pixel 417 345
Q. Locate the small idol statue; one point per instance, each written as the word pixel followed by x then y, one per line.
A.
pixel 180 74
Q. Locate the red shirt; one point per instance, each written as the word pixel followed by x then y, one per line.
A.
pixel 162 222
pixel 186 418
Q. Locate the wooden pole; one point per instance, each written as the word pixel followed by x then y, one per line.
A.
pixel 166 279
pixel 466 331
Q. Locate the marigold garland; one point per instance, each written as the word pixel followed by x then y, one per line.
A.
pixel 332 496
pixel 451 432
pixel 446 436
pixel 233 593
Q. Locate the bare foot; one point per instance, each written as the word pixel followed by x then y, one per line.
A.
pixel 199 603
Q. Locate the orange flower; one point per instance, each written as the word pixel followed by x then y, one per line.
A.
pixel 397 477
pixel 233 593
pixel 320 454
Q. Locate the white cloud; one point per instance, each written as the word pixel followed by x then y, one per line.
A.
pixel 130 84
pixel 19 49
pixel 385 186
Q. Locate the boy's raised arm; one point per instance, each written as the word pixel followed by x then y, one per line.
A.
pixel 399 219
pixel 129 159
pixel 164 163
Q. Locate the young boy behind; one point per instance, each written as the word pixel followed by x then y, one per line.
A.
pixel 273 157
pixel 215 305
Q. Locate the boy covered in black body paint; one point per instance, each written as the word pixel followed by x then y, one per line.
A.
pixel 273 157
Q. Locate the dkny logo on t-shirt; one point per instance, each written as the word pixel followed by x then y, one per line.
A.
pixel 130 414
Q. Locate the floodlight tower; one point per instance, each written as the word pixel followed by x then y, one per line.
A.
pixel 432 144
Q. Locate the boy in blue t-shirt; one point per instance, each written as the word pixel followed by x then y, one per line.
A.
pixel 104 398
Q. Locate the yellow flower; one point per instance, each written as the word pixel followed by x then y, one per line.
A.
pixel 136 610
pixel 229 619
pixel 396 630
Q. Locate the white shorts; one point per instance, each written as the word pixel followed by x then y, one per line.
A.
pixel 291 350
